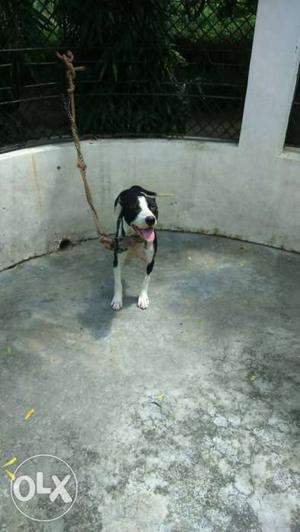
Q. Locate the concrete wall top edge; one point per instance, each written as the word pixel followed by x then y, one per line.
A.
pixel 189 141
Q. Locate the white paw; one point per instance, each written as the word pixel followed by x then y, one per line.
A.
pixel 116 304
pixel 143 301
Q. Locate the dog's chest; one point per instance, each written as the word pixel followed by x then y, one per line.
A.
pixel 139 249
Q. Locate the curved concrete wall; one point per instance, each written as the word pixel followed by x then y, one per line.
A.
pixel 218 188
pixel 250 191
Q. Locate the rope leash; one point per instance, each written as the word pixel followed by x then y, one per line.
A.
pixel 68 59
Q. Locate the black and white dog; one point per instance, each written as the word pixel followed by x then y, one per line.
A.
pixel 137 216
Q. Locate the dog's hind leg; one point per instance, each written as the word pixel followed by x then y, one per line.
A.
pixel 117 300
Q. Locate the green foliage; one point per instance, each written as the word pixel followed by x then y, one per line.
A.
pixel 134 70
pixel 213 20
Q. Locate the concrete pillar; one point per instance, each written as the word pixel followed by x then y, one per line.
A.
pixel 272 76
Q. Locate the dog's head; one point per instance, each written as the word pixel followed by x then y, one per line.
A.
pixel 137 207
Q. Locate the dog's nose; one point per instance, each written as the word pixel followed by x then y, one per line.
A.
pixel 150 220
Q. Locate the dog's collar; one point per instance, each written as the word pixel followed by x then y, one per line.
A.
pixel 122 243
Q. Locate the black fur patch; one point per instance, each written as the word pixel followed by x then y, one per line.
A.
pixel 115 262
pixel 151 264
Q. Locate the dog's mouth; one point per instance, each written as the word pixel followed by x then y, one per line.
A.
pixel 146 234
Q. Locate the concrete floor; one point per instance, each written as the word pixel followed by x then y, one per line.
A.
pixel 176 419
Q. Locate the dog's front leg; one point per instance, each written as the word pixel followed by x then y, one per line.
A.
pixel 117 301
pixel 143 301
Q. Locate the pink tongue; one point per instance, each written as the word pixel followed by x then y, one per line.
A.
pixel 148 234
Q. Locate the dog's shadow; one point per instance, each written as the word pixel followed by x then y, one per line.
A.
pixel 129 300
pixel 98 314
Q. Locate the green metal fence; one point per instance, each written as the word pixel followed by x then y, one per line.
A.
pixel 161 68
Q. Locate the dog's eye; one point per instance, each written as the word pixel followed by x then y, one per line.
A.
pixel 154 209
pixel 152 205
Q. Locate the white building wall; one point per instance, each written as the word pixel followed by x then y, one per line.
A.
pixel 250 191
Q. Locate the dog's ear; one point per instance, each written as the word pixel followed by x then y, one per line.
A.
pixel 117 206
pixel 155 194
pixel 148 193
pixel 117 200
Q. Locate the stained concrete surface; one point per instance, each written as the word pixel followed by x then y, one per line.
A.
pixel 180 418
